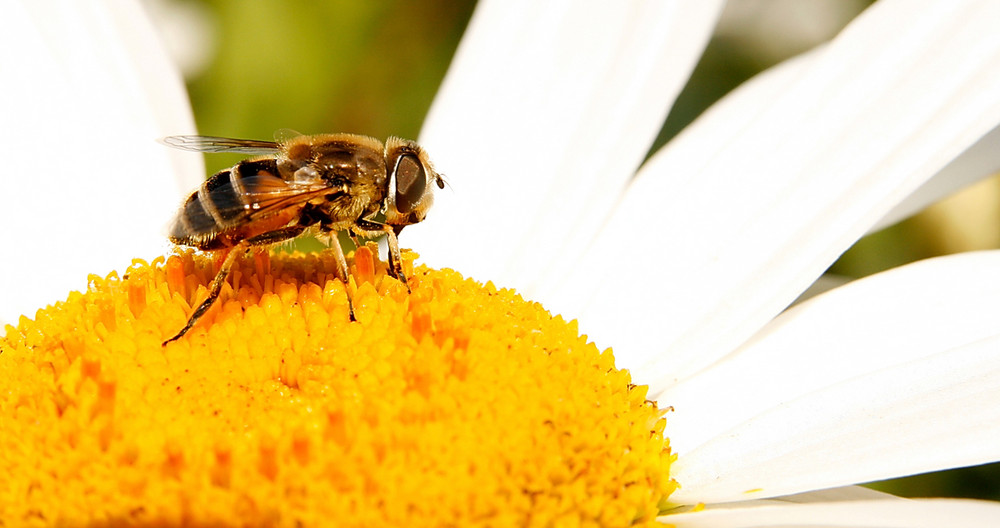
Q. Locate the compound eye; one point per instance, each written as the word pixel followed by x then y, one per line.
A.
pixel 411 182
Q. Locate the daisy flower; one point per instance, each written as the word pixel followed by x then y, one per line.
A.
pixel 684 263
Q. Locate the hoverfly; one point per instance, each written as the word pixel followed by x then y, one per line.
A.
pixel 324 182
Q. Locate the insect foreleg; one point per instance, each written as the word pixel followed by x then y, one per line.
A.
pixel 395 257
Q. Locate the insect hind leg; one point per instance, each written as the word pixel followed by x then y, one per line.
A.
pixel 213 292
pixel 264 239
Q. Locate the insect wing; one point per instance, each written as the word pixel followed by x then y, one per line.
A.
pixel 265 193
pixel 283 136
pixel 216 144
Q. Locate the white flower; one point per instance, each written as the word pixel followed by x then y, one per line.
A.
pixel 683 264
pixel 87 91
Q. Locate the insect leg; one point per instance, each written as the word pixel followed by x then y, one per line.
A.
pixel 338 252
pixel 213 293
pixel 395 257
pixel 354 239
pixel 273 237
pixel 220 277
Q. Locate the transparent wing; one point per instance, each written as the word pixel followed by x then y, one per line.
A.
pixel 221 144
pixel 283 135
pixel 266 193
pixel 221 205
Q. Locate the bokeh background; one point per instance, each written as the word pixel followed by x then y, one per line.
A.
pixel 372 67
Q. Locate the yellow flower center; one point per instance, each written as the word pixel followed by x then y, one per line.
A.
pixel 456 404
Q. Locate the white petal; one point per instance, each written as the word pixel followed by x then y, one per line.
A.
pixel 890 375
pixel 721 124
pixel 929 513
pixel 88 187
pixel 865 326
pixel 979 161
pixel 845 493
pixel 548 109
pixel 715 249
pixel 823 284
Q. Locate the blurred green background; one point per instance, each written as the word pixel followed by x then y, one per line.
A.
pixel 373 67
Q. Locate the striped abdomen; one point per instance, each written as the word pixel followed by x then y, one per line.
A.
pixel 227 209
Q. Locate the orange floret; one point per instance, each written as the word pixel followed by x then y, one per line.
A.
pixel 456 404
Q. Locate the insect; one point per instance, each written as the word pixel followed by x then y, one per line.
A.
pixel 325 182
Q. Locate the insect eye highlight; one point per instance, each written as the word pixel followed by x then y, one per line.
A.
pixel 411 182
